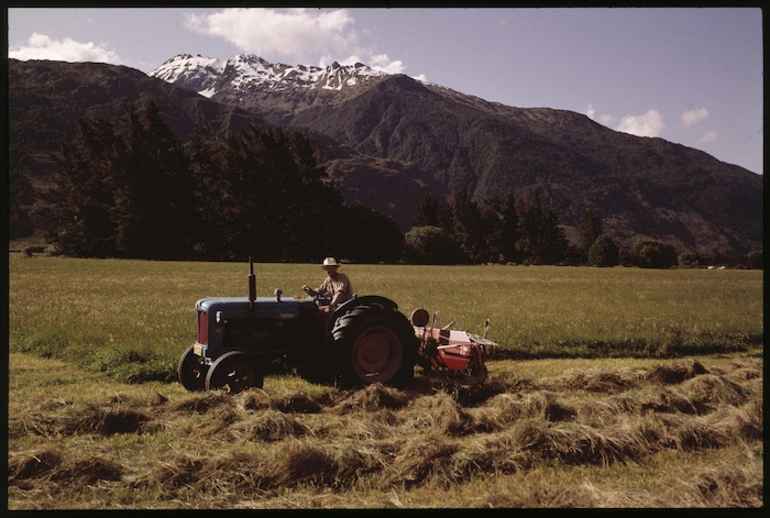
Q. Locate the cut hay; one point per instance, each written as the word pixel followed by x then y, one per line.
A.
pixel 439 414
pixel 677 372
pixel 31 465
pixel 182 470
pixel 254 399
pixel 109 421
pixel 201 402
pixel 327 464
pixel 474 395
pixel 489 453
pixel 504 409
pixel 421 457
pixel 373 398
pixel 708 392
pixel 270 426
pixel 574 443
pixel 90 471
pixel 591 380
pixel 297 403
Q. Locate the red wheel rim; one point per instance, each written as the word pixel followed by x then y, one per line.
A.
pixel 377 354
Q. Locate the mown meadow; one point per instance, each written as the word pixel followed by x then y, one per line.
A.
pixel 613 387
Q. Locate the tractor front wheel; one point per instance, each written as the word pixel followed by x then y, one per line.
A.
pixel 191 371
pixel 234 372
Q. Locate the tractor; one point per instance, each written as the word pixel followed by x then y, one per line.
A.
pixel 365 340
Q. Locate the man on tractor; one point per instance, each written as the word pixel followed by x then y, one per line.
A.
pixel 336 285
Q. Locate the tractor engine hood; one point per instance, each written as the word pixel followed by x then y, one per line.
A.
pixel 237 308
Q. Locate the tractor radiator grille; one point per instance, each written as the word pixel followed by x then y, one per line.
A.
pixel 203 328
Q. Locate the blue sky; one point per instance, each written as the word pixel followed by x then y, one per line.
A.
pixel 688 75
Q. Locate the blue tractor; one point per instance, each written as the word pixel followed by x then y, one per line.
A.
pixel 365 340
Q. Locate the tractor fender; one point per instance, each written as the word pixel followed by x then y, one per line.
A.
pixel 373 301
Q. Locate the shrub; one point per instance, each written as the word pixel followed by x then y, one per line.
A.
pixel 755 260
pixel 653 254
pixel 31 250
pixel 603 252
pixel 432 245
pixel 689 260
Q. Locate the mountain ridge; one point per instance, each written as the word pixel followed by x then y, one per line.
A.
pixel 643 187
pixel 390 139
pixel 46 98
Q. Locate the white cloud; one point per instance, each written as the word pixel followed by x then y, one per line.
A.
pixel 604 119
pixel 384 63
pixel 648 125
pixel 693 117
pixel 295 35
pixel 40 46
pixel 708 137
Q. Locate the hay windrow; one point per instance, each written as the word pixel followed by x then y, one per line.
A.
pixel 592 380
pixel 330 464
pixel 254 399
pixel 421 457
pixel 270 426
pixel 373 398
pixel 109 421
pixel 201 402
pixel 677 372
pixel 299 403
pixel 439 414
pixel 180 471
pixel 574 443
pixel 31 465
pixel 709 392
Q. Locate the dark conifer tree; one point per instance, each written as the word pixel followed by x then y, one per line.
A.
pixel 427 213
pixel 79 197
pixel 542 240
pixel 590 230
pixel 510 233
pixel 152 188
pixel 172 195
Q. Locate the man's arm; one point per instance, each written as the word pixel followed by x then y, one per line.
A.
pixel 320 291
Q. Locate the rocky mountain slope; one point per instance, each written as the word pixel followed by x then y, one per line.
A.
pixel 642 187
pixel 388 139
pixel 46 98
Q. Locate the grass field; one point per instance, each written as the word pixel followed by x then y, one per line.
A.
pixel 616 388
pixel 134 318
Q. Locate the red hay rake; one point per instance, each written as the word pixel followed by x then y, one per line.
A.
pixel 456 353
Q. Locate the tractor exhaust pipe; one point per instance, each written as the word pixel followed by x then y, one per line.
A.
pixel 252 284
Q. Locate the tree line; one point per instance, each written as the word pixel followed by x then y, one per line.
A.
pixel 134 190
pixel 521 230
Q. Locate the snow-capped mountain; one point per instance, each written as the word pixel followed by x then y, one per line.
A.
pixel 490 150
pixel 246 72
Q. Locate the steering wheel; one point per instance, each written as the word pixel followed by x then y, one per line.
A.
pixel 320 300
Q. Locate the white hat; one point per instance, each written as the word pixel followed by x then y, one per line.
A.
pixel 329 261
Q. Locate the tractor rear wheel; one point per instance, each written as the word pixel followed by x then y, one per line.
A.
pixel 375 345
pixel 234 372
pixel 191 371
